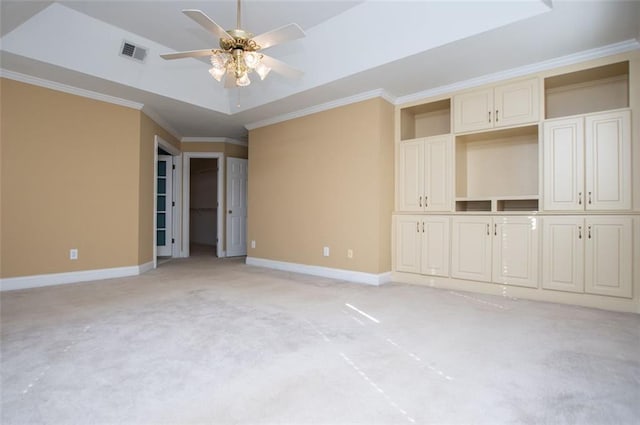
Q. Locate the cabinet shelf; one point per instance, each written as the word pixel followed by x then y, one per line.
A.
pixel 591 90
pixel 498 164
pixel 426 120
pixel 515 204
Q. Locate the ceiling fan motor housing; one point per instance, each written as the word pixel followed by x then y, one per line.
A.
pixel 241 40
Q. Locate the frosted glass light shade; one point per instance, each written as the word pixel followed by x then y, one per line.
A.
pixel 251 59
pixel 262 70
pixel 217 73
pixel 243 80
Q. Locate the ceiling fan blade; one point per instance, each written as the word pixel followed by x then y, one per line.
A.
pixel 187 54
pixel 208 23
pixel 281 67
pixel 279 35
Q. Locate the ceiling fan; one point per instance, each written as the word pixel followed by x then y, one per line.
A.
pixel 239 53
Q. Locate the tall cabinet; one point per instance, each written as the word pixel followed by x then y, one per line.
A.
pixel 525 184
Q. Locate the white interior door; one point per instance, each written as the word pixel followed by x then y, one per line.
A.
pixel 236 207
pixel 164 205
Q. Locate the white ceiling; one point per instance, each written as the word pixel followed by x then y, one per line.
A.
pixel 400 48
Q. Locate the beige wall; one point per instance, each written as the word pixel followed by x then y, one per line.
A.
pixel 70 179
pixel 324 180
pixel 148 130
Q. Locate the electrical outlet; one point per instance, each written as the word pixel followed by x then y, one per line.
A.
pixel 253 244
pixel 349 253
pixel 73 254
pixel 325 251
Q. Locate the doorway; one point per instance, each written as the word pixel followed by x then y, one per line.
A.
pixel 167 167
pixel 203 207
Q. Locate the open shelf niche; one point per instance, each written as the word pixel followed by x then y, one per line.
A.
pixel 497 170
pixel 591 90
pixel 425 120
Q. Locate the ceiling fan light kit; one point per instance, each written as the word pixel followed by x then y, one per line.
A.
pixel 238 54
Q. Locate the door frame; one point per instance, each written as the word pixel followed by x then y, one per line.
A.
pixel 159 142
pixel 186 191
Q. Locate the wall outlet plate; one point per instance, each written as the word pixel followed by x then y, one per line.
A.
pixel 325 251
pixel 73 254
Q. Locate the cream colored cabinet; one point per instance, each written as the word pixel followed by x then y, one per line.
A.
pixel 563 254
pixel 515 251
pixel 500 249
pixel 471 248
pixel 588 254
pixel 425 174
pixel 501 106
pixel 422 244
pixel 587 163
pixel 608 256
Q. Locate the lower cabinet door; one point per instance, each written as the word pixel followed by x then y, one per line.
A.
pixel 471 248
pixel 608 256
pixel 515 251
pixel 563 253
pixel 435 246
pixel 408 239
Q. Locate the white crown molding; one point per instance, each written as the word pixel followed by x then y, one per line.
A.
pixel 36 281
pixel 160 121
pixel 226 140
pixel 340 274
pixel 41 82
pixel 591 54
pixel 323 107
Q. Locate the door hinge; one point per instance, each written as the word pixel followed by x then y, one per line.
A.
pixel 173 166
pixel 173 203
pixel 173 240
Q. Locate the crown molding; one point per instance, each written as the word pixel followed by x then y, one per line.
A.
pixel 151 113
pixel 323 107
pixel 226 140
pixel 586 55
pixel 41 82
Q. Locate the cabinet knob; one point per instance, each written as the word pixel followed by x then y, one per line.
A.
pixel 579 232
pixel 589 198
pixel 488 231
pixel 579 198
pixel 426 201
pixel 420 202
pixel 497 116
pixel 418 226
pixel 495 229
pixel 589 232
pixel 489 116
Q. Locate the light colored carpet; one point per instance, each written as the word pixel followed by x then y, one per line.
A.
pixel 218 342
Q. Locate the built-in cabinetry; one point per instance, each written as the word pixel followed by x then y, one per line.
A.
pixel 504 105
pixel 422 244
pixel 500 249
pixel 587 162
pixel 425 173
pixel 591 254
pixel 486 180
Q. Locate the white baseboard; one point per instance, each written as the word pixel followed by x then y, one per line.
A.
pixel 340 274
pixel 35 281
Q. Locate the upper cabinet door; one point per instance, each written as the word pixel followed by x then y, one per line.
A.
pixel 473 111
pixel 608 161
pixel 516 103
pixel 410 175
pixel 438 165
pixel 563 165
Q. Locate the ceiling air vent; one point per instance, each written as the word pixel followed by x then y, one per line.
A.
pixel 132 51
